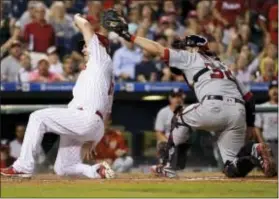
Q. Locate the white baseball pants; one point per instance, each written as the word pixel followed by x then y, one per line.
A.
pixel 74 127
pixel 226 118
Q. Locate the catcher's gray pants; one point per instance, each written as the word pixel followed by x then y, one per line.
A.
pixel 226 118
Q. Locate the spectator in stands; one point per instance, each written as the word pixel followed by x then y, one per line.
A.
pixel 234 46
pixel 267 123
pixel 11 65
pixel 270 51
pixel 164 116
pixel 268 73
pixel 146 70
pixel 244 73
pixel 9 31
pixel 63 26
pixel 245 34
pixel 68 70
pixel 192 24
pixel 114 150
pixel 273 23
pixel 204 17
pixel 74 6
pixel 5 159
pixel 146 23
pixel 29 15
pixel 15 145
pixel 26 67
pixel 227 12
pixel 54 61
pixel 125 60
pixel 39 34
pixel 42 74
pixel 215 47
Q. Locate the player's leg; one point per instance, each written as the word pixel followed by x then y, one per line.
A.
pixel 69 163
pixel 70 122
pixel 241 158
pixel 122 164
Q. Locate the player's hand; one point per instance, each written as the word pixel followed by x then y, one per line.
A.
pixel 88 151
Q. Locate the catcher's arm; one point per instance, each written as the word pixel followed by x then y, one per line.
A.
pixel 149 45
pixel 112 21
pixel 85 28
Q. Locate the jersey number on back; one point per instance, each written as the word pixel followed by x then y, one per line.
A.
pixel 218 73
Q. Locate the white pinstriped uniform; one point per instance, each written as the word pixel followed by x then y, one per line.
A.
pixel 93 92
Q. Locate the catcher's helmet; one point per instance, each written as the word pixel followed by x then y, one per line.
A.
pixel 195 41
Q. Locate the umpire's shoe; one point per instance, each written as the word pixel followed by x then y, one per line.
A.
pixel 266 161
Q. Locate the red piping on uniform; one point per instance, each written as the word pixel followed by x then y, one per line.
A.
pixel 248 96
pixel 104 40
pixel 166 56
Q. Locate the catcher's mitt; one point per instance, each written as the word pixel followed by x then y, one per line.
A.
pixel 112 21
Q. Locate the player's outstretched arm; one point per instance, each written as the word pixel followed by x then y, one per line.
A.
pixel 112 21
pixel 85 28
pixel 149 45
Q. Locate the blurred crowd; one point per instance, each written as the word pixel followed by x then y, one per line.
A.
pixel 40 43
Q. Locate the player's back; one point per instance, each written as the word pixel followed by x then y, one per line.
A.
pixel 94 88
pixel 206 75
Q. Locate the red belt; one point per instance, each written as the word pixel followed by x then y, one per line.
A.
pixel 97 113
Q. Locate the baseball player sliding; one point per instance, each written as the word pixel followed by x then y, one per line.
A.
pixel 82 122
pixel 224 103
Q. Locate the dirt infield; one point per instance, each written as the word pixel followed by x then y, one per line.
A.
pixel 188 184
pixel 140 177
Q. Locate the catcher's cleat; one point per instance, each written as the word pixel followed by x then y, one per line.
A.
pixel 266 161
pixel 162 171
pixel 105 171
pixel 11 172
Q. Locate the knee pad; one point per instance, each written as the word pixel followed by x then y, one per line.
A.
pixel 246 150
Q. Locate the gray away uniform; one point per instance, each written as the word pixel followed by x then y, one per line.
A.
pixel 225 117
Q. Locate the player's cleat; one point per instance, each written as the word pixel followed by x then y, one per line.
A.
pixel 266 160
pixel 105 171
pixel 157 170
pixel 160 170
pixel 11 172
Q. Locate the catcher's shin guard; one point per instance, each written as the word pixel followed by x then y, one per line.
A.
pixel 179 157
pixel 240 167
pixel 243 163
